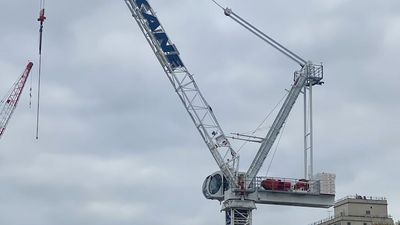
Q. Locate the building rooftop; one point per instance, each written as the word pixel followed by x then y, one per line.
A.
pixel 359 208
pixel 363 197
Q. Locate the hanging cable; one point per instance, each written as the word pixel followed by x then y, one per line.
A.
pixel 218 4
pixel 264 120
pixel 41 19
pixel 30 92
pixel 261 124
pixel 269 114
pixel 276 148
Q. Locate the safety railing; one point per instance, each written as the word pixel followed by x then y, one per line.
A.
pixel 361 197
pixel 286 184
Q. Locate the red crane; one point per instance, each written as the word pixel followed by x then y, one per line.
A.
pixel 10 101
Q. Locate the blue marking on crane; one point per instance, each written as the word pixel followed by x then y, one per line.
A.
pixel 174 60
pixel 152 20
pixel 163 40
pixel 141 2
pixel 170 51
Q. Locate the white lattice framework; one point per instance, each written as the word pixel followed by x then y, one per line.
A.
pixel 185 86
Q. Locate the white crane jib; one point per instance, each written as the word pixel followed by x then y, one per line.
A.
pixel 186 87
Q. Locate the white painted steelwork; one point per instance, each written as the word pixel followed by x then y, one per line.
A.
pixel 238 191
pixel 186 88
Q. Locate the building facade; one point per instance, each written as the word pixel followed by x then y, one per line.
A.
pixel 359 210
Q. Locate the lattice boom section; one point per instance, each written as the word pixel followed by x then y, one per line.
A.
pixel 184 85
pixel 9 103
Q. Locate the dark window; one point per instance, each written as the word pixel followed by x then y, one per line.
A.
pixel 226 184
pixel 215 184
pixel 348 223
pixel 365 223
pixel 368 212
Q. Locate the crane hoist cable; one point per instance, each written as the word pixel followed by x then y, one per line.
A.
pixel 263 122
pixel 30 92
pixel 41 19
pixel 276 149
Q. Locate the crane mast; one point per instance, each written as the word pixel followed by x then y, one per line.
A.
pixel 9 103
pixel 185 86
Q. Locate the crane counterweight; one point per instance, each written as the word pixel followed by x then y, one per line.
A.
pixel 42 17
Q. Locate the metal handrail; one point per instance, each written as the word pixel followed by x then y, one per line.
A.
pixel 361 197
pixel 323 220
pixel 334 217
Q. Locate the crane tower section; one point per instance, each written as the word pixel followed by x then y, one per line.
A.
pixel 185 86
pixel 10 101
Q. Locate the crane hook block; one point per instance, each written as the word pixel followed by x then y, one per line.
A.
pixel 41 16
pixel 227 11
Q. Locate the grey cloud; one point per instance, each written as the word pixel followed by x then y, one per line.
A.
pixel 116 146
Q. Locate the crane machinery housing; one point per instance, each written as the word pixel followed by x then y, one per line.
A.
pixel 239 191
pixel 10 101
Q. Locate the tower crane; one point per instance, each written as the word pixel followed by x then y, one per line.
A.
pixel 10 101
pixel 239 191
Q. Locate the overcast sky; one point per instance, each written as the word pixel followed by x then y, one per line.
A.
pixel 116 145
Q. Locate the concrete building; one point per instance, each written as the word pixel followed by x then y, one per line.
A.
pixel 359 210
